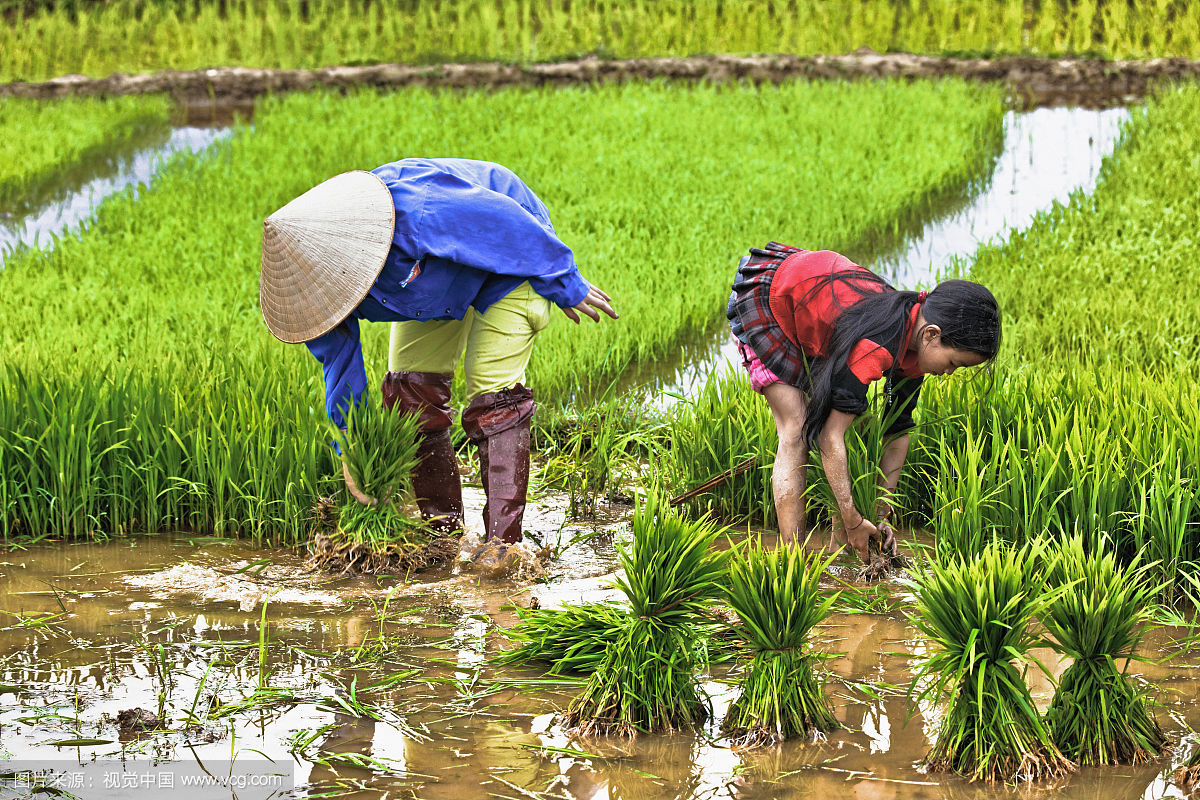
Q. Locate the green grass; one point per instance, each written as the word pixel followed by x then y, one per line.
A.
pixel 142 391
pixel 138 36
pixel 41 141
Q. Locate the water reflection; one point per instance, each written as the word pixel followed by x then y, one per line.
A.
pixel 68 215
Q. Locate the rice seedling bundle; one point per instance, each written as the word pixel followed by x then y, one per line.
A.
pixel 646 680
pixel 1098 715
pixel 570 639
pixel 776 595
pixel 978 613
pixel 379 450
pixel 133 35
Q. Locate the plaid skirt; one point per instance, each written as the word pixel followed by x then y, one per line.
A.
pixel 751 320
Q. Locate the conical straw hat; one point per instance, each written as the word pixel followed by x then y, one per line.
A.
pixel 322 252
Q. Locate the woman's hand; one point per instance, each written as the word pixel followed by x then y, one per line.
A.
pixel 859 537
pixel 355 492
pixel 596 298
pixel 887 537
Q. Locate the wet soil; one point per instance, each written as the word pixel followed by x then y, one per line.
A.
pixel 373 687
pixel 1031 81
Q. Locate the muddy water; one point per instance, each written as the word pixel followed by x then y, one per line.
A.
pixel 174 625
pixel 1049 153
pixel 72 202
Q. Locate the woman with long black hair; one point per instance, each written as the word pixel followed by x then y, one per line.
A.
pixel 814 331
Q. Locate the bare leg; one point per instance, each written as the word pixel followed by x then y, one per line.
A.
pixel 789 407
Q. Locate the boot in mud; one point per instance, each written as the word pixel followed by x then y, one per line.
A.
pixel 498 424
pixel 435 480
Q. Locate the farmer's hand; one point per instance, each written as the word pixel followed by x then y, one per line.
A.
pixel 596 299
pixel 887 537
pixel 859 537
pixel 354 490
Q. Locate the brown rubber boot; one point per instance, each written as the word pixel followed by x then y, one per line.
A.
pixel 498 423
pixel 435 479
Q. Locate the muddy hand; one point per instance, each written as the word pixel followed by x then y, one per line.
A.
pixel 888 543
pixel 355 492
pixel 596 298
pixel 860 538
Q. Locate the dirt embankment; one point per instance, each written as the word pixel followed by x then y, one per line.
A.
pixel 1030 81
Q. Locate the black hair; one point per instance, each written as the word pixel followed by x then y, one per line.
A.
pixel 966 313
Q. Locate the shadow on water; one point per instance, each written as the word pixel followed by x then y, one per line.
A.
pixel 381 686
pixel 1048 154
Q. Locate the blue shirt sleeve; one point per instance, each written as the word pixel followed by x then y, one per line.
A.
pixel 448 216
pixel 340 354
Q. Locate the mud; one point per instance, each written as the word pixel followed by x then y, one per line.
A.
pixel 433 719
pixel 1030 81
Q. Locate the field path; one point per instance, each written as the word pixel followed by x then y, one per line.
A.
pixel 1032 81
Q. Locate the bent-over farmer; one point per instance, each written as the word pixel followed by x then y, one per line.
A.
pixel 814 330
pixel 460 256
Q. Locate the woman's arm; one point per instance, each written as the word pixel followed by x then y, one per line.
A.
pixel 859 530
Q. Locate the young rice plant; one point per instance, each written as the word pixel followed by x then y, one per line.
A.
pixel 775 592
pixel 646 680
pixel 1098 716
pixel 978 613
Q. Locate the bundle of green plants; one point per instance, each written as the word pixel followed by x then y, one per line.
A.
pixel 1098 715
pixel 978 613
pixel 776 595
pixel 646 680
pixel 569 639
pixel 378 450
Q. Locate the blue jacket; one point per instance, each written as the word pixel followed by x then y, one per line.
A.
pixel 467 233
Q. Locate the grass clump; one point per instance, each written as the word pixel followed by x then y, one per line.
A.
pixel 1097 715
pixel 775 592
pixel 379 450
pixel 645 681
pixel 978 614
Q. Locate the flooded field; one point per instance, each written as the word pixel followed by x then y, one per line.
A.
pixel 1049 154
pixel 381 687
pixel 63 209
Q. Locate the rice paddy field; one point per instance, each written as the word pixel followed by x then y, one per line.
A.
pixel 163 458
pixel 44 39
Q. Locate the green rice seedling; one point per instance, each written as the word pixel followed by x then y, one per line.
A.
pixel 725 424
pixel 570 639
pixel 978 613
pixel 646 681
pixel 379 451
pixel 776 595
pixel 965 496
pixel 1098 716
pixel 604 447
